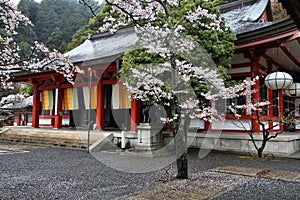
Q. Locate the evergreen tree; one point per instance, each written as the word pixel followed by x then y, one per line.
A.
pixel 54 40
pixel 55 22
pixel 92 27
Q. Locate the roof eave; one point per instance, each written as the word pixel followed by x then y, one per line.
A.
pixel 247 38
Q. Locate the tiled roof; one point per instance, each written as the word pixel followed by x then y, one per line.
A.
pixel 106 45
pixel 243 15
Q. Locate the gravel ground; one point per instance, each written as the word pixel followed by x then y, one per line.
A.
pixel 263 189
pixel 218 159
pixel 54 173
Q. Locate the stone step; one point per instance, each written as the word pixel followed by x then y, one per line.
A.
pixel 47 137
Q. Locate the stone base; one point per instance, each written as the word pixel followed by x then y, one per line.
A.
pixel 142 147
pixel 284 144
pixel 150 137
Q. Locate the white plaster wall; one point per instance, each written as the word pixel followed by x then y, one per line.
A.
pixel 232 125
pixel 66 121
pixel 277 127
pixel 197 123
pixel 298 124
pixel 266 125
pixel 45 121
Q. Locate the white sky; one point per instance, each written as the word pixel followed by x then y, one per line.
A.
pixel 17 1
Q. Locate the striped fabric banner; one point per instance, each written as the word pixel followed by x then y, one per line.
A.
pixel 115 102
pixel 70 99
pixel 86 94
pixel 120 97
pixel 47 99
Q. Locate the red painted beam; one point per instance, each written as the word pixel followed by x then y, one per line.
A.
pixel 287 36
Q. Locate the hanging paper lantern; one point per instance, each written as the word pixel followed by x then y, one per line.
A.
pixel 278 80
pixel 293 90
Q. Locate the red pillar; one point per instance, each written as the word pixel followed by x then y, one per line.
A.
pixel 207 126
pixel 135 114
pixel 52 117
pixel 58 116
pixel 256 95
pixel 36 108
pixel 100 107
pixel 19 119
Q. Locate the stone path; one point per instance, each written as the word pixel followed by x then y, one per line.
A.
pixel 212 184
pixel 202 185
pixel 261 173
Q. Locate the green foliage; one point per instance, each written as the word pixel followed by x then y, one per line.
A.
pixel 218 45
pixel 136 57
pixel 91 28
pixel 27 89
pixel 279 13
pixel 54 40
pixel 55 21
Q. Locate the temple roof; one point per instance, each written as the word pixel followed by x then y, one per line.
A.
pixel 19 105
pixel 107 45
pixel 243 15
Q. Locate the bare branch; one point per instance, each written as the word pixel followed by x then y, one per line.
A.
pixel 274 136
pixel 90 7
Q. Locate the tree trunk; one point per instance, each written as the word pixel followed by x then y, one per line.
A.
pixel 182 161
pixel 262 147
pixel 259 152
pixel 182 166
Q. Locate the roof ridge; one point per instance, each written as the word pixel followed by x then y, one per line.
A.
pixel 229 5
pixel 108 33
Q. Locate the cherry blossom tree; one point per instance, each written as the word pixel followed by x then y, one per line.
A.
pixel 16 98
pixel 267 132
pixel 41 58
pixel 182 47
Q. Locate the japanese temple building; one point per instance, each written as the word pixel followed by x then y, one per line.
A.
pixel 263 46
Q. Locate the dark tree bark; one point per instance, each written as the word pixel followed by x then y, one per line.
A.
pixel 182 160
pixel 182 166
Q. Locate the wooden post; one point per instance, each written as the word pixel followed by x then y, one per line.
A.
pixel 19 118
pixel 100 107
pixel 58 116
pixel 135 114
pixel 52 114
pixel 36 107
